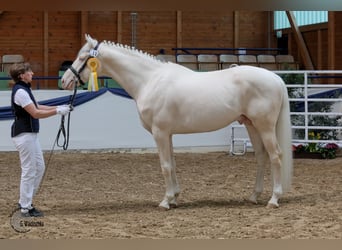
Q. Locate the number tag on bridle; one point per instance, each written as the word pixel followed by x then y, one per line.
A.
pixel 93 53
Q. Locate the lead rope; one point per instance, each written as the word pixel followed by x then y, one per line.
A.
pixel 61 131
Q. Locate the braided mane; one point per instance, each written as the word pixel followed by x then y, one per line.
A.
pixel 125 48
pixel 131 50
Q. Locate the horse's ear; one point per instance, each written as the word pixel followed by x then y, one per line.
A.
pixel 90 40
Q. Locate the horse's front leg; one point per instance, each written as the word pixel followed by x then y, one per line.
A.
pixel 173 202
pixel 167 163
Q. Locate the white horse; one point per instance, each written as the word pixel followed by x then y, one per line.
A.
pixel 172 99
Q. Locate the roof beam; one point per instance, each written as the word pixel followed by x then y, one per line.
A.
pixel 300 41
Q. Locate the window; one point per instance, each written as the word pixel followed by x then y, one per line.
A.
pixel 302 18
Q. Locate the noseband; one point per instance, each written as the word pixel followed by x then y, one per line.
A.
pixel 92 53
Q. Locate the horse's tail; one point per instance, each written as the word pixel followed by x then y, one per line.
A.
pixel 284 135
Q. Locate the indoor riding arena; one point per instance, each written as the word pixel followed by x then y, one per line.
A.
pixel 108 180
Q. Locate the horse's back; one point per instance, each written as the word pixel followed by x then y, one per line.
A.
pixel 255 75
pixel 250 75
pixel 225 86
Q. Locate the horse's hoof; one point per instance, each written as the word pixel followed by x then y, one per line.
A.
pixel 163 208
pixel 164 205
pixel 253 198
pixel 272 205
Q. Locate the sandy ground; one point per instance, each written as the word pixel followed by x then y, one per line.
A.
pixel 116 195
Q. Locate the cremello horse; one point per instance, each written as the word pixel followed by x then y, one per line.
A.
pixel 172 99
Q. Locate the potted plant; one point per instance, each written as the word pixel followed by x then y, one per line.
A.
pixel 315 150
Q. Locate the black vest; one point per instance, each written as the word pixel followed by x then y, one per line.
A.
pixel 23 121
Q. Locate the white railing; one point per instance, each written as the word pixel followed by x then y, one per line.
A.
pixel 315 82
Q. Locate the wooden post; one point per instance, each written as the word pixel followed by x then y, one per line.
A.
pixel 236 29
pixel 46 46
pixel 179 29
pixel 119 27
pixel 300 41
pixel 319 49
pixel 331 40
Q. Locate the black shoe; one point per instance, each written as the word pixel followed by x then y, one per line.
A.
pixel 33 212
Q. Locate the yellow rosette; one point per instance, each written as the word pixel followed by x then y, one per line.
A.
pixel 92 83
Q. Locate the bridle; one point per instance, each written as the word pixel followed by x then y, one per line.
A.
pixel 92 54
pixel 62 131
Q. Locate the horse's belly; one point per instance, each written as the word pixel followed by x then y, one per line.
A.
pixel 202 122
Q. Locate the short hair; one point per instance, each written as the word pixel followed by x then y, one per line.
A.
pixel 17 69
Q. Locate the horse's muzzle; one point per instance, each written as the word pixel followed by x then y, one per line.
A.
pixel 69 85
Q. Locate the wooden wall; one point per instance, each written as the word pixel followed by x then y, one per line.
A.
pixel 338 39
pixel 316 41
pixel 322 41
pixel 46 39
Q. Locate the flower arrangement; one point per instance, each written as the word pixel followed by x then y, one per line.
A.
pixel 329 151
pixel 326 151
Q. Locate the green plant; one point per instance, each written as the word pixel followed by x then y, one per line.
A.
pixel 313 146
pixel 327 151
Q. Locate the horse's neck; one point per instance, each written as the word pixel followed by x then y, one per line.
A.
pixel 131 70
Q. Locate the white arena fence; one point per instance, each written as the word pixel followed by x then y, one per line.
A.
pixel 307 90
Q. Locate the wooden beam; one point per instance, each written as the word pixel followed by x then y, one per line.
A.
pixel 179 29
pixel 46 46
pixel 300 41
pixel 319 49
pixel 331 41
pixel 84 26
pixel 119 27
pixel 236 29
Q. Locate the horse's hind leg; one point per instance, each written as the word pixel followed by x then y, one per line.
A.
pixel 274 152
pixel 261 158
pixel 167 162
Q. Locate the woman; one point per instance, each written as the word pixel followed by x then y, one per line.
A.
pixel 24 134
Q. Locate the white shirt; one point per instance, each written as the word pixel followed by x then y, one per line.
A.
pixel 22 98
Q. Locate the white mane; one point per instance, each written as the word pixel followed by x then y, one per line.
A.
pixel 127 49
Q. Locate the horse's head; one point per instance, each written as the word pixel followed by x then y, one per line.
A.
pixel 78 72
